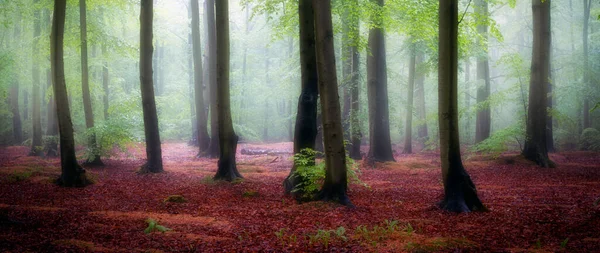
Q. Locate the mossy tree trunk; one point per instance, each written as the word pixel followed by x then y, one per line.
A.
pixel 460 194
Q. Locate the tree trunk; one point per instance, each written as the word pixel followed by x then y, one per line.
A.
pixel 587 6
pixel 14 95
pixel 535 144
pixel 51 145
pixel 227 169
pixel 154 162
pixel 266 110
pixel 94 159
pixel 420 100
pixel 36 141
pixel 460 194
pixel 213 149
pixel 379 118
pixel 346 73
pixel 409 100
pixel 549 118
pixel 72 174
pixel 305 131
pixel 467 134
pixel 201 119
pixel 336 182
pixel 482 129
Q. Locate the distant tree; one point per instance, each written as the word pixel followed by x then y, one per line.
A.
pixel 305 132
pixel 420 100
pixel 213 148
pixel 410 98
pixel 36 140
pixel 335 184
pixel 460 194
pixel 379 118
pixel 483 121
pixel 105 76
pixel 14 94
pixel 354 71
pixel 154 162
pixel 72 174
pixel 201 119
pixel 94 159
pixel 587 78
pixel 535 144
pixel 227 169
pixel 51 144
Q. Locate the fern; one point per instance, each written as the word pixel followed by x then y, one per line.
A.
pixel 154 226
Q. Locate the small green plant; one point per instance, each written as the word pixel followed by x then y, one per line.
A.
pixel 391 225
pixel 340 232
pixel 250 193
pixel 111 135
pixel 175 199
pixel 409 229
pixel 19 176
pixel 538 244
pixel 589 140
pixel 208 180
pixel 154 226
pixel 281 236
pixel 501 140
pixel 563 244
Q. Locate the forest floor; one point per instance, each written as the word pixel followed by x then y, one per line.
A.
pixel 531 209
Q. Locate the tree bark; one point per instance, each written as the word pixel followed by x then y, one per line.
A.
pixel 409 100
pixel 587 6
pixel 305 130
pixel 535 144
pixel 460 194
pixel 36 140
pixel 213 149
pixel 379 118
pixel 336 182
pixel 346 73
pixel 51 144
pixel 467 135
pixel 72 174
pixel 227 169
pixel 354 90
pixel 94 159
pixel 201 119
pixel 14 95
pixel 482 129
pixel 420 101
pixel 154 162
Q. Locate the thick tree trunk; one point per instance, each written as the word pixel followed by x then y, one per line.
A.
pixel 154 162
pixel 305 132
pixel 460 194
pixel 379 118
pixel 227 169
pixel 420 101
pixel 535 144
pixel 72 174
pixel 213 149
pixel 587 6
pixel 409 101
pixel 483 121
pixel 94 159
pixel 201 119
pixel 36 140
pixel 14 96
pixel 336 182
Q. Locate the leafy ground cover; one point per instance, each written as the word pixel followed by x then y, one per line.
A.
pixel 531 209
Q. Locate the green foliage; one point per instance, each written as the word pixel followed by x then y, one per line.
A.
pixel 154 226
pixel 19 176
pixel 112 136
pixel 590 140
pixel 250 194
pixel 563 244
pixel 175 199
pixel 595 107
pixel 325 237
pixel 379 233
pixel 501 140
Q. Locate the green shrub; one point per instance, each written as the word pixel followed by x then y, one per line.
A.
pixel 154 226
pixel 501 141
pixel 590 140
pixel 111 136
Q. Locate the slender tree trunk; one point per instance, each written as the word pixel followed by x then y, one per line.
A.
pixel 467 134
pixel 154 162
pixel 409 100
pixel 51 144
pixel 201 119
pixel 379 118
pixel 354 90
pixel 549 118
pixel 460 194
pixel 191 73
pixel 105 76
pixel 335 184
pixel 587 6
pixel 305 132
pixel 266 110
pixel 482 129
pixel 94 159
pixel 14 94
pixel 25 107
pixel 72 174
pixel 213 150
pixel 346 73
pixel 227 169
pixel 535 144
pixel 420 100
pixel 36 141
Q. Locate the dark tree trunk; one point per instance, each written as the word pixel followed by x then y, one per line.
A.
pixel 535 144
pixel 549 118
pixel 94 159
pixel 72 174
pixel 51 145
pixel 14 97
pixel 420 101
pixel 227 169
pixel 587 6
pixel 355 111
pixel 319 140
pixel 467 134
pixel 25 106
pixel 460 194
pixel 36 140
pixel 336 181
pixel 201 119
pixel 154 162
pixel 305 132
pixel 213 149
pixel 379 118
pixel 346 73
pixel 409 101
pixel 482 129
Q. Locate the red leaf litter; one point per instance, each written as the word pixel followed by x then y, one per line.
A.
pixel 532 209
